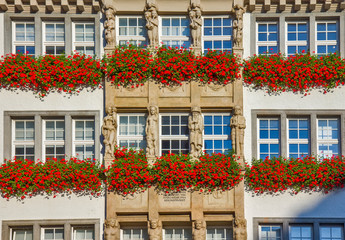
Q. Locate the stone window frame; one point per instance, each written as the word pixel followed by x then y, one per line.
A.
pixel 54 43
pixel 213 137
pixel 39 116
pixel 131 137
pixel 215 37
pixel 180 38
pixel 142 38
pixel 172 137
pixel 37 226
pixel 285 224
pixel 39 18
pixel 312 18
pixel 284 115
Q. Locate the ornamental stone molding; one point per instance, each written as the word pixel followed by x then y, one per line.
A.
pixel 50 6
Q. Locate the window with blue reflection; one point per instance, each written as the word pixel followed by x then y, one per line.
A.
pixel 328 137
pixel 217 32
pixel 298 136
pixel 297 38
pixel 327 37
pixel 217 138
pixel 269 138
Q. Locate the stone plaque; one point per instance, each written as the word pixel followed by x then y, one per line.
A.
pixel 174 200
pixel 219 199
pixel 140 91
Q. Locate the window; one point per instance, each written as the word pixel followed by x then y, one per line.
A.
pixel 298 139
pixel 54 38
pixel 132 31
pixel 84 38
pixel 328 137
pixel 54 134
pixel 216 233
pixel 134 234
pixel 131 131
pixel 217 130
pixel 269 135
pixel 53 233
pixel 298 232
pixel 177 234
pixel 327 37
pixel 270 232
pixel 54 139
pixel 175 32
pixel 82 233
pixel 84 138
pixel 217 32
pixel 24 139
pixel 22 234
pixel 174 134
pixel 297 37
pixel 331 233
pixel 267 38
pixel 24 38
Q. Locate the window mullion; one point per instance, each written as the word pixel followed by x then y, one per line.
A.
pixel 38 137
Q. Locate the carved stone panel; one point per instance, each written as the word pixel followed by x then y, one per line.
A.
pixel 219 200
pixel 137 201
pixel 210 90
pixel 175 91
pixel 141 91
pixel 174 201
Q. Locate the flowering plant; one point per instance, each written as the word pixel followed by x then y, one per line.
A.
pixel 297 73
pixel 128 65
pixel 50 73
pixel 23 178
pixel 308 173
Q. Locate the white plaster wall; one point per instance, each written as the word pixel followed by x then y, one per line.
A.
pixel 41 207
pixel 2 33
pixel 314 205
pixel 27 101
pixel 61 207
pixel 246 35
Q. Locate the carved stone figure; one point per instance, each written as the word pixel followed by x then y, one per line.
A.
pixel 195 24
pixel 199 230
pixel 240 229
pixel 111 229
pixel 109 132
pixel 109 25
pixel 152 132
pixel 238 124
pixel 155 229
pixel 196 126
pixel 151 17
pixel 237 26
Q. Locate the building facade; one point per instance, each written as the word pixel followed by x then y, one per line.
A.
pixel 157 118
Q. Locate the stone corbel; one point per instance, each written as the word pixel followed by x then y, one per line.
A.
pixel 282 5
pixel 251 5
pixel 297 5
pixel 267 5
pixel 65 5
pixel 80 5
pixel 327 4
pixel 3 5
pixel 96 5
pixel 312 5
pixel 342 5
pixel 18 5
pixel 33 5
pixel 49 5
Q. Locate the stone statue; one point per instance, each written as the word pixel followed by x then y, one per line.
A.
pixel 151 17
pixel 195 24
pixel 199 230
pixel 155 229
pixel 240 229
pixel 196 126
pixel 151 131
pixel 111 229
pixel 109 25
pixel 109 132
pixel 237 124
pixel 237 26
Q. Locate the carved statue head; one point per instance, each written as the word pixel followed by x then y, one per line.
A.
pixel 198 12
pixel 114 109
pixel 198 224
pixel 109 110
pixel 152 110
pixel 192 14
pixel 154 223
pixel 240 222
pixel 196 111
pixel 111 223
pixel 154 14
pixel 238 110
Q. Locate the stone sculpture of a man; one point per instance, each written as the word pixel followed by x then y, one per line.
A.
pixel 196 126
pixel 109 132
